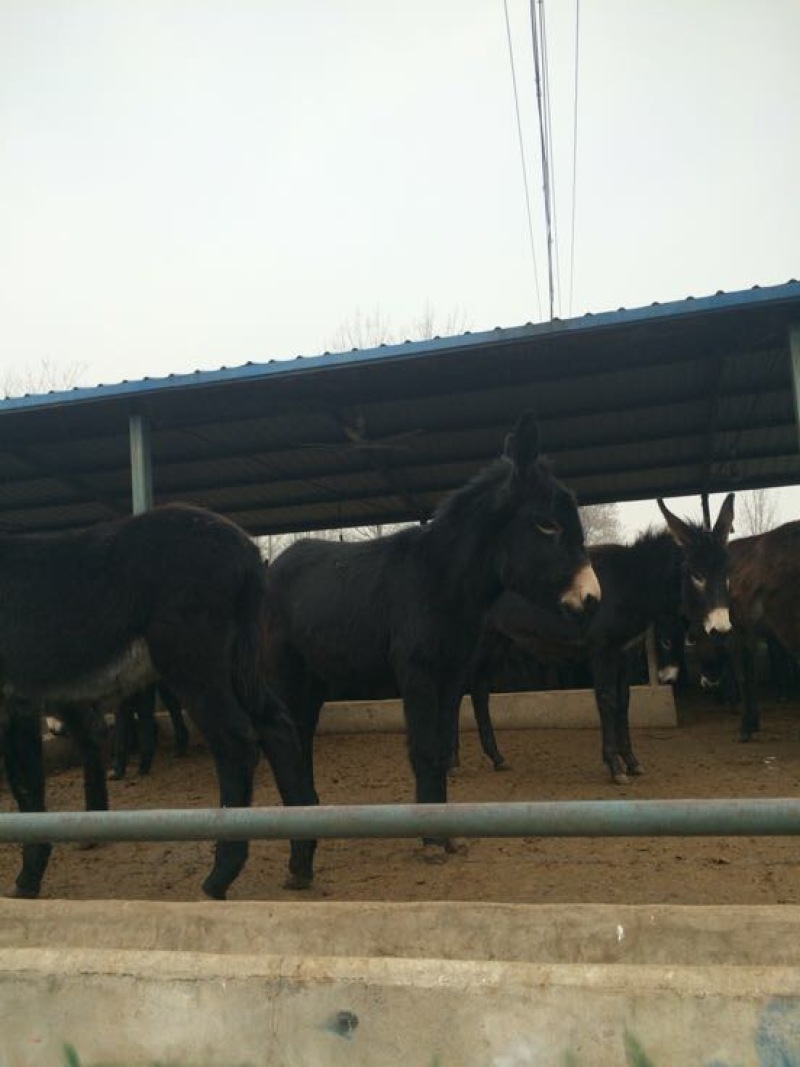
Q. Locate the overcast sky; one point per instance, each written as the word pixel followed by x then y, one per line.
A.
pixel 187 184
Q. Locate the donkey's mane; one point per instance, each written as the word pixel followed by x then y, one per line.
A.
pixel 471 499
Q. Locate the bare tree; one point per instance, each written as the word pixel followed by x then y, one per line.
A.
pixel 756 511
pixel 49 376
pixel 372 328
pixel 364 330
pixel 601 523
pixel 431 323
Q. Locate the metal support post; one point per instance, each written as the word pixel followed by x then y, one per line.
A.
pixel 141 464
pixel 706 511
pixel 652 659
pixel 794 363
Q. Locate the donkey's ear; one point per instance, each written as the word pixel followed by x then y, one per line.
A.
pixel 724 524
pixel 681 531
pixel 522 446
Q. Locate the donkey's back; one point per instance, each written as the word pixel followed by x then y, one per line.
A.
pixel 78 610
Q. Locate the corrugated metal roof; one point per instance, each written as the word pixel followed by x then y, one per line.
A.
pixel 666 399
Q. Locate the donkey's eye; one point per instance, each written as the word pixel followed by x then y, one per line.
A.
pixel 698 581
pixel 550 529
pixel 666 643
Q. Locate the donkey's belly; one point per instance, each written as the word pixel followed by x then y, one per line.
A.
pixel 126 673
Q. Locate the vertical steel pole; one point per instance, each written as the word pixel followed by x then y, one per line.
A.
pixel 794 363
pixel 652 659
pixel 141 464
pixel 706 511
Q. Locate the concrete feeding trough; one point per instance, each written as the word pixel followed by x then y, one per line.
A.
pixel 467 985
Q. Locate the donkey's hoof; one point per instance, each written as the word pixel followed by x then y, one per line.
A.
pixel 455 848
pixel 298 881
pixel 636 769
pixel 620 778
pixel 213 892
pixel 746 735
pixel 433 853
pixel 116 775
pixel 502 765
pixel 18 892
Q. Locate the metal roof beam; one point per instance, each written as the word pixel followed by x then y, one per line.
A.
pixel 567 462
pixel 492 427
pixel 354 430
pixel 186 423
pixel 73 481
pixel 377 509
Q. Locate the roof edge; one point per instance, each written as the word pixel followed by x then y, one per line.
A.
pixel 720 301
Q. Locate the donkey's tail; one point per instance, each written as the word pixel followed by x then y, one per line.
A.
pixel 277 732
pixel 250 653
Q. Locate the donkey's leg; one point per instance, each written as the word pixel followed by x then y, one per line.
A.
pixel 480 694
pixel 85 727
pixel 192 652
pixel 429 728
pixel 179 732
pixel 301 858
pixel 124 727
pixel 622 720
pixel 24 766
pixel 604 672
pixel 450 696
pixel 144 709
pixel 424 724
pixel 232 740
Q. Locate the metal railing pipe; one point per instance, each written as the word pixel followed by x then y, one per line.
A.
pixel 779 816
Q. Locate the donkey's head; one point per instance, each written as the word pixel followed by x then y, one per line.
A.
pixel 712 654
pixel 543 555
pixel 704 568
pixel 670 634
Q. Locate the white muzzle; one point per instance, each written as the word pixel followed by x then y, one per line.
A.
pixel 584 585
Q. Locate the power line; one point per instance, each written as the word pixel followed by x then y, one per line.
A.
pixel 551 156
pixel 574 154
pixel 522 161
pixel 546 174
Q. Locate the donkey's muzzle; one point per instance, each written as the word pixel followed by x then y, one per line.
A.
pixel 584 591
pixel 717 622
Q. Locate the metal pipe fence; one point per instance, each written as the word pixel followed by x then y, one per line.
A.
pixel 776 817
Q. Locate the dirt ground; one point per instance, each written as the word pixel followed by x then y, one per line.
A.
pixel 701 758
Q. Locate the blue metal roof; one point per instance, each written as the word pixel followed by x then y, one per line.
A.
pixel 665 399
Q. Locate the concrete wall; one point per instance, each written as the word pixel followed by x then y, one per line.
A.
pixel 651 706
pixel 567 708
pixel 372 984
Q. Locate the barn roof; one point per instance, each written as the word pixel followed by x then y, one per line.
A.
pixel 661 400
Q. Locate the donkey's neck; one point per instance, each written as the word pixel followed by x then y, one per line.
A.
pixel 461 535
pixel 654 562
